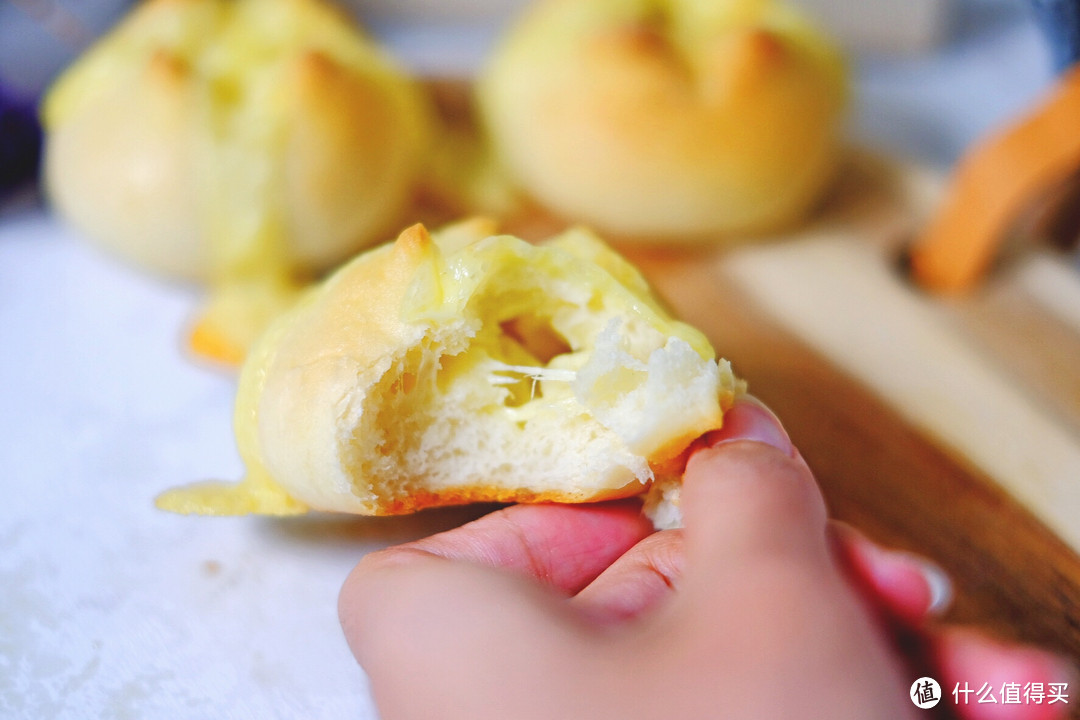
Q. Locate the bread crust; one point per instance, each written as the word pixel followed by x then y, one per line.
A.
pixel 423 499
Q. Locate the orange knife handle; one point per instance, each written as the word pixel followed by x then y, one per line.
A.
pixel 995 183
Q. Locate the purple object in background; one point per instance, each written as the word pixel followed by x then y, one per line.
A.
pixel 20 141
pixel 1060 22
pixel 38 38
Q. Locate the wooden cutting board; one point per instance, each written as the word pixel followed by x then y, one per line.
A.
pixel 950 427
pixel 945 426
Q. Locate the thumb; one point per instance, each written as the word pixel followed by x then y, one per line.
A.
pixel 731 502
pixel 749 500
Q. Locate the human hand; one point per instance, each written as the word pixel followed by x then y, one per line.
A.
pixel 758 609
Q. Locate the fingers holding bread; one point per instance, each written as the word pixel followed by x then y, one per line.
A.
pixel 750 504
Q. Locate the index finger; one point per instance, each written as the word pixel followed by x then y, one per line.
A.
pixel 564 546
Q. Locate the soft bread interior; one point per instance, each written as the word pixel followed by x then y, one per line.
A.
pixel 468 367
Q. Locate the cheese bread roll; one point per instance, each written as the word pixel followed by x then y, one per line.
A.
pixel 468 367
pixel 242 143
pixel 671 120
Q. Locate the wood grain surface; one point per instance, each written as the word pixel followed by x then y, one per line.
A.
pixel 889 479
pixel 880 469
pixel 992 495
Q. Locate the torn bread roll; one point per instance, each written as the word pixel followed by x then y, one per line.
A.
pixel 468 367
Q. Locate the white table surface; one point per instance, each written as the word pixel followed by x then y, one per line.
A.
pixel 110 608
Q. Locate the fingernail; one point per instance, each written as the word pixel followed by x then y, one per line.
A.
pixel 1065 671
pixel 751 419
pixel 937 580
pixel 1062 676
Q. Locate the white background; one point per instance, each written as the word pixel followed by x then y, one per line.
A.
pixel 109 608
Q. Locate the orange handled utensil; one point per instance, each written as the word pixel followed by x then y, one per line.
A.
pixel 1009 173
pixel 1003 177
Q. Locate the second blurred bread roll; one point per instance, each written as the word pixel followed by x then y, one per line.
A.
pixel 683 119
pixel 243 143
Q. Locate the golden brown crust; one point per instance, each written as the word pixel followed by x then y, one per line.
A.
pixel 422 499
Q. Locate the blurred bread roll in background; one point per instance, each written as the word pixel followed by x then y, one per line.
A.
pixel 667 119
pixel 243 143
pixel 195 121
pixel 468 367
